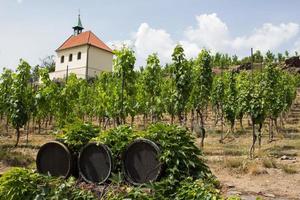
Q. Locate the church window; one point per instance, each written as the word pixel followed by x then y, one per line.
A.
pixel 79 56
pixel 62 59
pixel 70 57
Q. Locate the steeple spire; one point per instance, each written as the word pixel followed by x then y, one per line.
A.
pixel 78 28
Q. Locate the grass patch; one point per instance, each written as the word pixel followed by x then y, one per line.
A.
pixel 278 151
pixel 255 169
pixel 15 159
pixel 233 152
pixel 269 163
pixel 234 163
pixel 289 169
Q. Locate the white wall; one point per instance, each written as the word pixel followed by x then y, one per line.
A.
pixel 99 60
pixel 74 63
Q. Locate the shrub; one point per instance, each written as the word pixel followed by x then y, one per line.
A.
pixel 269 163
pixel 196 190
pixel 289 169
pixel 117 140
pixel 180 156
pixel 76 135
pixel 22 184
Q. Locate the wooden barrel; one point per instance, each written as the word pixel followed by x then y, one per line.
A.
pixel 95 163
pixel 141 162
pixel 55 158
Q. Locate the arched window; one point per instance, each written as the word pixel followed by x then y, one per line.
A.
pixel 79 56
pixel 62 59
pixel 70 57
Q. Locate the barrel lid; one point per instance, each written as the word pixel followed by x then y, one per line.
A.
pixel 95 163
pixel 54 158
pixel 141 162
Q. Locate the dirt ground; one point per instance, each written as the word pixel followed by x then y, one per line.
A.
pixel 252 179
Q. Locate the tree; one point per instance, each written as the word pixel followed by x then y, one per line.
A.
pixel 5 93
pixel 123 66
pixel 151 77
pixel 229 105
pixel 258 57
pixel 217 99
pixel 257 107
pixel 19 100
pixel 270 57
pixel 48 62
pixel 201 88
pixel 182 73
pixel 169 97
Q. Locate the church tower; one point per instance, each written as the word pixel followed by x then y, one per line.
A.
pixel 78 28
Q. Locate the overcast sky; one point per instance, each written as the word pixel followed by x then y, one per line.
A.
pixel 33 29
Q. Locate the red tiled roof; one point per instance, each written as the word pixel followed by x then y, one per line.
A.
pixel 84 38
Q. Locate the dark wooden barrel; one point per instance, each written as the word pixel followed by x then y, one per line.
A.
pixel 95 163
pixel 56 159
pixel 141 162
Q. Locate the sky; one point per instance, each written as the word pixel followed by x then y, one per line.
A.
pixel 33 29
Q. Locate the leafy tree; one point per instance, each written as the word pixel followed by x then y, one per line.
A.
pixel 286 53
pixel 169 97
pixel 257 107
pixel 182 73
pixel 49 63
pixel 229 106
pixel 152 85
pixel 5 92
pixel 258 57
pixel 270 57
pixel 201 88
pixel 66 101
pixel 19 100
pixel 217 99
pixel 124 67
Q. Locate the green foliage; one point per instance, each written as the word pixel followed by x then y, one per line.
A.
pixel 19 112
pixel 117 140
pixel 78 134
pixel 22 184
pixel 230 93
pixel 202 81
pixel 179 155
pixel 182 78
pixel 5 90
pixel 196 190
pixel 124 68
pixel 151 86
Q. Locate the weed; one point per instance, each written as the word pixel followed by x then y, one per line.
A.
pixel 289 169
pixel 15 159
pixel 234 163
pixel 269 163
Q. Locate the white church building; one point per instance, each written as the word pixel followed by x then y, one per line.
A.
pixel 83 54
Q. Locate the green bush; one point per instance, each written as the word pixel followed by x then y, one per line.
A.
pixel 117 140
pixel 196 190
pixel 179 153
pixel 180 156
pixel 22 184
pixel 77 135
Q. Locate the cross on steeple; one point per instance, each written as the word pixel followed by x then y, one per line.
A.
pixel 78 28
